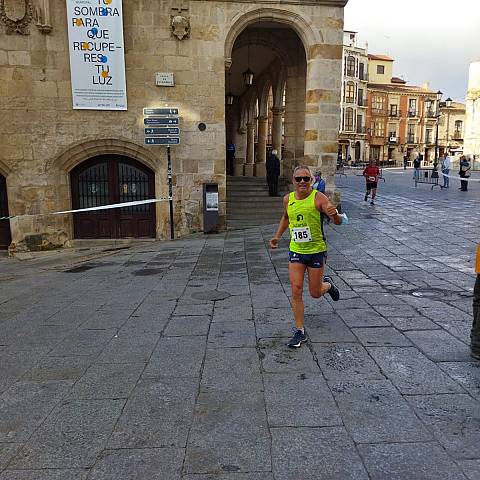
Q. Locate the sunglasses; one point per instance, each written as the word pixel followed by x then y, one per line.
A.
pixel 305 179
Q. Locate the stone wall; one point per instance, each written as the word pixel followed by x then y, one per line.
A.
pixel 43 138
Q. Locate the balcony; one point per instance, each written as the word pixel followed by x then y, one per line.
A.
pixel 362 102
pixel 361 129
pixel 429 141
pixel 412 113
pixel 411 139
pixel 394 114
pixel 363 77
pixel 457 136
pixel 392 139
pixel 431 113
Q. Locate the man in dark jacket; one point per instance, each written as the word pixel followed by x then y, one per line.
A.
pixel 273 172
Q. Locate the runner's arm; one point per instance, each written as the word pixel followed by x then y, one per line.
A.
pixel 282 226
pixel 322 204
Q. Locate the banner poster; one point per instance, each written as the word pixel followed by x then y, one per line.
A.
pixel 97 60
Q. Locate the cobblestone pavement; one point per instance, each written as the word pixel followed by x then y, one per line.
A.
pixel 168 360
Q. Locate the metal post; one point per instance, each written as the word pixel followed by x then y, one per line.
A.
pixel 170 192
pixel 435 162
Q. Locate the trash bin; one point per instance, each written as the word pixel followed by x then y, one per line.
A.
pixel 210 207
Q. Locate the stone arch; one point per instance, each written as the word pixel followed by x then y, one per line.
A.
pixel 307 34
pixel 263 97
pixel 266 41
pixel 82 151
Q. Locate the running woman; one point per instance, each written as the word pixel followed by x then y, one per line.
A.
pixel 308 250
pixel 371 174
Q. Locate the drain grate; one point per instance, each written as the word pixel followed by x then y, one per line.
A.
pixel 441 294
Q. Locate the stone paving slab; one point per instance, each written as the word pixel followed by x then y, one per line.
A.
pixel 313 453
pixel 400 461
pixel 169 360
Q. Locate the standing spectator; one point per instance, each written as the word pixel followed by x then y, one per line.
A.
pixel 446 169
pixel 273 172
pixel 318 182
pixel 371 174
pixel 230 157
pixel 416 168
pixel 464 173
pixel 475 332
pixel 405 161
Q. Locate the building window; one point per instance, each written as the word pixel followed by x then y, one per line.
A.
pixel 360 127
pixel 458 126
pixel 429 110
pixel 378 129
pixel 361 71
pixel 360 97
pixel 350 66
pixel 428 135
pixel 349 119
pixel 412 107
pixel 411 133
pixel 380 69
pixel 350 92
pixel 393 110
pixel 378 103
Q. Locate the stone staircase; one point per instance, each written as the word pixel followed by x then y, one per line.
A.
pixel 248 203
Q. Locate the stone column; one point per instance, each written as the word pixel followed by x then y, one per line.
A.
pixel 249 165
pixel 260 164
pixel 277 133
pixel 241 153
pixel 323 110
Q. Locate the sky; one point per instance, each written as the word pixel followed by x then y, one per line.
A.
pixel 430 40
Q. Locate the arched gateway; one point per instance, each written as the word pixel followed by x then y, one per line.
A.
pixel 110 179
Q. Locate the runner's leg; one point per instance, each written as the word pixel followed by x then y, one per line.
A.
pixel 297 274
pixel 374 194
pixel 316 286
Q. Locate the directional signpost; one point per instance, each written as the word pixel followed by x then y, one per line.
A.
pixel 160 129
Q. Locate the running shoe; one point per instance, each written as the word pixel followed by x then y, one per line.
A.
pixel 366 196
pixel 333 291
pixel 372 203
pixel 297 339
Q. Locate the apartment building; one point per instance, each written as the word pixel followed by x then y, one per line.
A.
pixel 352 131
pixel 451 127
pixel 401 118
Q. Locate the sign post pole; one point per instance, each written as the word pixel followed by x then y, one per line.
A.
pixel 170 193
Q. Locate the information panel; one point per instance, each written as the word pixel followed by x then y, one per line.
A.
pixel 97 61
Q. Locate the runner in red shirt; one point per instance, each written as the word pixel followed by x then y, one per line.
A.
pixel 371 174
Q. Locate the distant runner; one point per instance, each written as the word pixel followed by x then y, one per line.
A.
pixel 308 249
pixel 371 174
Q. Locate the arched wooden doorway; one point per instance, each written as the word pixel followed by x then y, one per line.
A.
pixel 109 179
pixel 5 236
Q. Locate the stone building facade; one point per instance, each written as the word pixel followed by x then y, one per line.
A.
pixel 451 128
pixel 472 121
pixel 50 151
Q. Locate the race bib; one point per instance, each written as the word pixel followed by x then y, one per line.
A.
pixel 301 235
pixel 371 179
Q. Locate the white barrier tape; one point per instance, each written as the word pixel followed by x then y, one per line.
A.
pixel 91 209
pixel 469 179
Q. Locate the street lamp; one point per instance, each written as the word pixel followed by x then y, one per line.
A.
pixel 248 74
pixel 435 162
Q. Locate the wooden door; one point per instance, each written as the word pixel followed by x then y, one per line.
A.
pixel 111 179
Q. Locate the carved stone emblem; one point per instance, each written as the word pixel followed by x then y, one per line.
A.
pixel 16 15
pixel 180 26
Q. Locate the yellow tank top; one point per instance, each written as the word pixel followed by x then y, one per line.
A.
pixel 305 224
